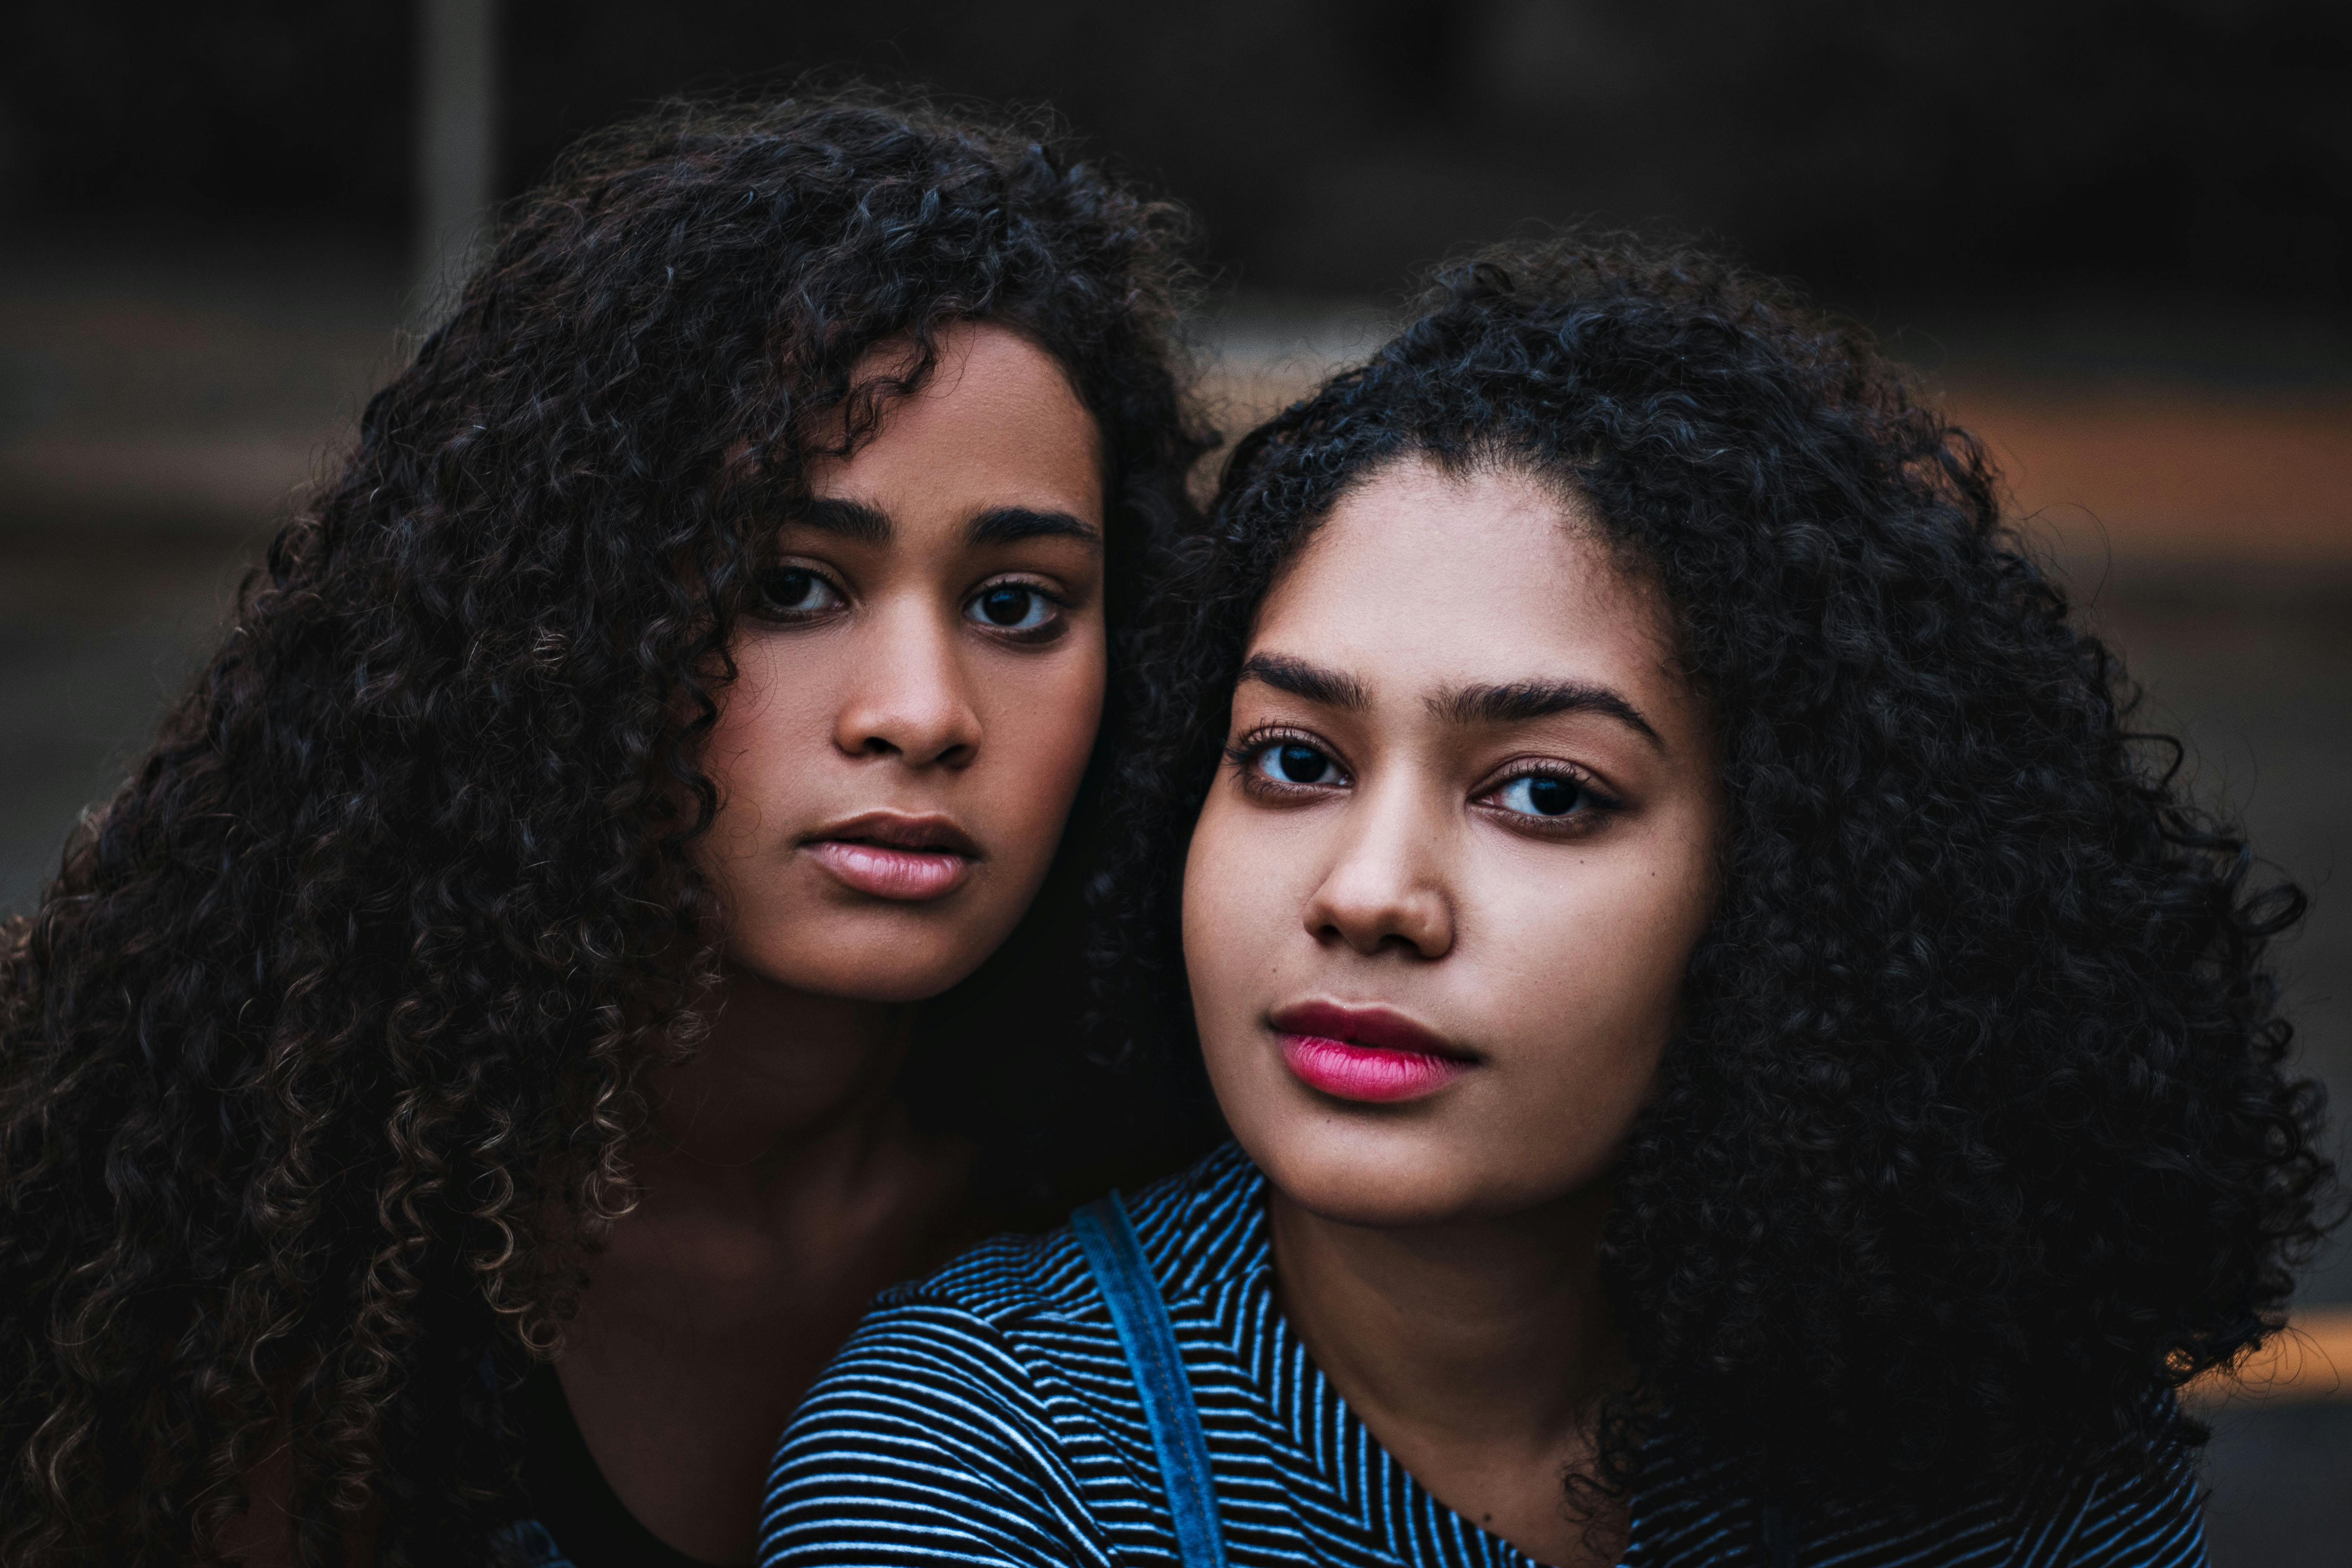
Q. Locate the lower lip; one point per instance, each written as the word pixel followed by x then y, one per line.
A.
pixel 1363 1072
pixel 879 871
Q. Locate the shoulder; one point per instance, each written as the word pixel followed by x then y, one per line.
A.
pixel 1690 1510
pixel 2152 1516
pixel 1021 1320
pixel 980 1416
pixel 1196 1228
pixel 925 1440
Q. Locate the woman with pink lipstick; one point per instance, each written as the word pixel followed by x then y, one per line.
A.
pixel 1734 1054
pixel 606 909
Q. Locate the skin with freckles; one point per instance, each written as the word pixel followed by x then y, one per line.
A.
pixel 921 675
pixel 1437 908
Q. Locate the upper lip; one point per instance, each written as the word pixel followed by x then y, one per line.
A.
pixel 1381 1028
pixel 899 830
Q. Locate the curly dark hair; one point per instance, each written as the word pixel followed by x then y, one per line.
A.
pixel 320 1058
pixel 1975 1141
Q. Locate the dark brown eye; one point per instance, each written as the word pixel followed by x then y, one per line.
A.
pixel 1541 794
pixel 1295 761
pixel 793 593
pixel 1549 797
pixel 1012 607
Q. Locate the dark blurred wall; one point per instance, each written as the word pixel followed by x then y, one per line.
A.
pixel 1998 150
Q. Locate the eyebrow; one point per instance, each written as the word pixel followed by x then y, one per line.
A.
pixel 850 520
pixel 866 524
pixel 1011 524
pixel 1515 703
pixel 1308 682
pixel 1524 700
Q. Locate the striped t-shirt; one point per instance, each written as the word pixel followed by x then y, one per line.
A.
pixel 986 1415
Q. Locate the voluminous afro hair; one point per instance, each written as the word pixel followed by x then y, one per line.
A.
pixel 1975 1141
pixel 321 1058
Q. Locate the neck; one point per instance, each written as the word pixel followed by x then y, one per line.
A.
pixel 1488 1336
pixel 782 1080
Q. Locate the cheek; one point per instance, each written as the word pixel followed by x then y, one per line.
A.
pixel 1586 955
pixel 1207 891
pixel 1045 728
pixel 1233 912
pixel 1595 978
pixel 758 743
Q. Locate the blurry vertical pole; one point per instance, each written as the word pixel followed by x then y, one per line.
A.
pixel 457 152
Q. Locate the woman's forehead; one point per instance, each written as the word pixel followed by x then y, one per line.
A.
pixel 1486 576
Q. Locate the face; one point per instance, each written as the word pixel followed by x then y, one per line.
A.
pixel 1439 903
pixel 921 675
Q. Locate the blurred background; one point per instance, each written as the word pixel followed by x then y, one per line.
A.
pixel 2116 237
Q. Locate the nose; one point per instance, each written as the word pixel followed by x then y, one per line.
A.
pixel 910 698
pixel 1386 891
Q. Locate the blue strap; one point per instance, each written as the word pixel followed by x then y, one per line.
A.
pixel 1140 1315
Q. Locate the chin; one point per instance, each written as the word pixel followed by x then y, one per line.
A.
pixel 898 971
pixel 1379 1170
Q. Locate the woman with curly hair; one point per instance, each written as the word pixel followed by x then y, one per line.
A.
pixel 457 1094
pixel 1734 1052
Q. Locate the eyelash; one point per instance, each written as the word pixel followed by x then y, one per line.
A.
pixel 1596 806
pixel 761 602
pixel 1244 753
pixel 1052 630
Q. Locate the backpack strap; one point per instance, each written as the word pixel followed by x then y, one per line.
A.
pixel 1139 1313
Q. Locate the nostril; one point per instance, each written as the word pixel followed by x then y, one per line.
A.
pixel 918 745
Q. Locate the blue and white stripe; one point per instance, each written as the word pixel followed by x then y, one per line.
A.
pixel 986 1415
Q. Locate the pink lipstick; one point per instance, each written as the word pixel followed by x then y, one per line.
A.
pixel 887 854
pixel 1370 1054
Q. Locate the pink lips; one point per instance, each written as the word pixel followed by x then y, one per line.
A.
pixel 1365 1053
pixel 887 856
